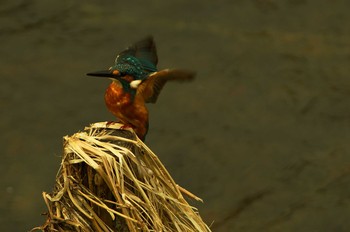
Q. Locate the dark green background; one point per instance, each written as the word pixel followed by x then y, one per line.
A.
pixel 262 135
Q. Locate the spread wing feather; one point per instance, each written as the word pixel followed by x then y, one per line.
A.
pixel 150 88
pixel 144 50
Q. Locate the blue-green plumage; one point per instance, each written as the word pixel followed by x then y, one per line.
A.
pixel 138 60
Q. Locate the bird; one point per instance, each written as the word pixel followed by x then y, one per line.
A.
pixel 135 82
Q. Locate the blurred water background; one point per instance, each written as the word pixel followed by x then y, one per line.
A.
pixel 262 134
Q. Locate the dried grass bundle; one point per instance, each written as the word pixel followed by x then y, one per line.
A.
pixel 109 180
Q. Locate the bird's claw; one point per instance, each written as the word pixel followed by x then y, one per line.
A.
pixel 125 126
pixel 109 123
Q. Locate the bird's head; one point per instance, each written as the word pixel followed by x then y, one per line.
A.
pixel 133 65
pixel 121 76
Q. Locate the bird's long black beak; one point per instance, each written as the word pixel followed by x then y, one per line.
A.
pixel 104 73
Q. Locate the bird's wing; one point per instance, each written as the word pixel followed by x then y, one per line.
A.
pixel 153 84
pixel 144 50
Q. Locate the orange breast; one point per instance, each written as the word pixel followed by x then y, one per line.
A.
pixel 130 111
pixel 116 98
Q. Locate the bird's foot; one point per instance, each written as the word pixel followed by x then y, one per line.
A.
pixel 110 123
pixel 126 126
pixel 113 122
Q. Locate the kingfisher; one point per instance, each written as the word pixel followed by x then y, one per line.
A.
pixel 135 82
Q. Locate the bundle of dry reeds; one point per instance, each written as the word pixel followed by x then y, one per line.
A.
pixel 109 180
